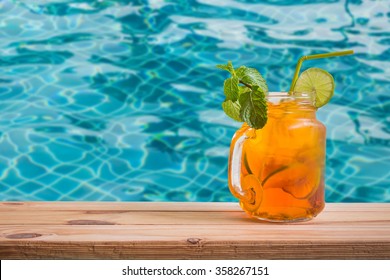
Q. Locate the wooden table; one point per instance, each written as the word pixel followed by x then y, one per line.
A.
pixel 145 230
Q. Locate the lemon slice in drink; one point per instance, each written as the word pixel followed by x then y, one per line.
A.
pixel 252 186
pixel 319 81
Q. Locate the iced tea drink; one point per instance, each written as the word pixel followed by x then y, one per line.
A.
pixel 277 172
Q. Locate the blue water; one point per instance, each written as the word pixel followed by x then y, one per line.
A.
pixel 121 100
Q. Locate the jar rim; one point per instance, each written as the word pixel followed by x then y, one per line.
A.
pixel 290 94
pixel 301 97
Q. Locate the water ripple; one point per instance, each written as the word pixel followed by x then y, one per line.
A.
pixel 120 99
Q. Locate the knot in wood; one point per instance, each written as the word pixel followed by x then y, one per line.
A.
pixel 89 222
pixel 194 240
pixel 23 235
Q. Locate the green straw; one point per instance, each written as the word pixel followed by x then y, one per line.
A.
pixel 314 56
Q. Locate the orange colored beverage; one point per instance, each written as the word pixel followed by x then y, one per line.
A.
pixel 277 172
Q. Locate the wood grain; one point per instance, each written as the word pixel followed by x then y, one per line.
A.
pixel 93 230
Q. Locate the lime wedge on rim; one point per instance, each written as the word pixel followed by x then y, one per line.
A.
pixel 319 81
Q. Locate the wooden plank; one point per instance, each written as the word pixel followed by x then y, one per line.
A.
pixel 132 217
pixel 205 250
pixel 121 218
pixel 121 206
pixel 259 232
pixel 165 213
pixel 167 242
pixel 68 230
pixel 170 206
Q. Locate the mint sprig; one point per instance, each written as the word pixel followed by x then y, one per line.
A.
pixel 245 95
pixel 230 88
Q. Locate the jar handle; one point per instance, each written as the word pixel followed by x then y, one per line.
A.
pixel 235 168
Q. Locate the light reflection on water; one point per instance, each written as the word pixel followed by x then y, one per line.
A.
pixel 120 100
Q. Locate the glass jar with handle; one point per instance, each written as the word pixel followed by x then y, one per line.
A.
pixel 277 172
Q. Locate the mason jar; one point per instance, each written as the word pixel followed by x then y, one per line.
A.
pixel 277 172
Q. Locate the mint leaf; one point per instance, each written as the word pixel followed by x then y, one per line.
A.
pixel 232 109
pixel 230 88
pixel 245 102
pixel 243 89
pixel 228 67
pixel 254 108
pixel 223 67
pixel 251 77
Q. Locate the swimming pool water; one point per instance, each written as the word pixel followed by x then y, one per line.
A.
pixel 121 100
